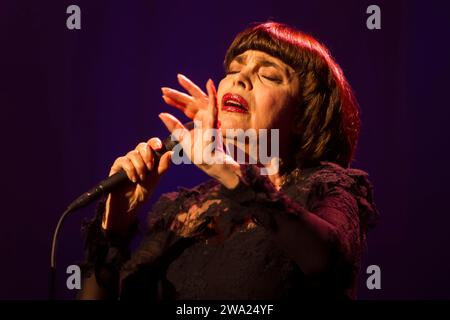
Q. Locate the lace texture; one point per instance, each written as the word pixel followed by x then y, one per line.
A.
pixel 197 238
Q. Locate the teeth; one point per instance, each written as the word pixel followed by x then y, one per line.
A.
pixel 233 103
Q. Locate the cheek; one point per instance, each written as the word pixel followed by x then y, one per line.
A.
pixel 271 110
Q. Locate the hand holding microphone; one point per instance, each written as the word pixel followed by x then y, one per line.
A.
pixel 144 168
pixel 131 181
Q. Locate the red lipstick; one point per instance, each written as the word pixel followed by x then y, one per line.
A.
pixel 232 102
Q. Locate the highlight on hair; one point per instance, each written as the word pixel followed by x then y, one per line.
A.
pixel 328 113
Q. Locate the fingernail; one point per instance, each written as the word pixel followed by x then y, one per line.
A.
pixel 142 176
pixel 157 145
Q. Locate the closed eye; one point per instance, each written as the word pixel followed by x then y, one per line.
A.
pixel 270 78
pixel 277 80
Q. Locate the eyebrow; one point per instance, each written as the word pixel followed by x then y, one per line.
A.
pixel 264 62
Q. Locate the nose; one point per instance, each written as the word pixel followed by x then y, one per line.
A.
pixel 243 80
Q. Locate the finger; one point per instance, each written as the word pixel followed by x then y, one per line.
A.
pixel 177 96
pixel 164 162
pixel 190 86
pixel 155 143
pixel 190 114
pixel 138 163
pixel 214 115
pixel 117 166
pixel 174 126
pixel 174 103
pixel 125 164
pixel 145 151
pixel 212 104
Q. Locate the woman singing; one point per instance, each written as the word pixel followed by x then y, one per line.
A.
pixel 297 232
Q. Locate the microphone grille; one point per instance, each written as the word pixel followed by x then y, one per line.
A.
pixel 169 143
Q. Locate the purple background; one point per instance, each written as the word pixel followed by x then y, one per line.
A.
pixel 72 101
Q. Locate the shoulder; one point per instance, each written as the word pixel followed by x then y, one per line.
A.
pixel 329 183
pixel 330 175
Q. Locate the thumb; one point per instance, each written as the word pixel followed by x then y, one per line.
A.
pixel 164 162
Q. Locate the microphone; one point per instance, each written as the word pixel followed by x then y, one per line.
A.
pixel 104 187
pixel 107 185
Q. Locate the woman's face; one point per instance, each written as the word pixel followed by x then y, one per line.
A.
pixel 259 92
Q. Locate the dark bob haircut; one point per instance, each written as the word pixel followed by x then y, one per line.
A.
pixel 328 113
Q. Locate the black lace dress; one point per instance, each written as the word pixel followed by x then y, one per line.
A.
pixel 213 243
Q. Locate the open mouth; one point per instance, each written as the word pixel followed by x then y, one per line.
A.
pixel 232 102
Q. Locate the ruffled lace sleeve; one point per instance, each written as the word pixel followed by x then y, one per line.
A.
pixel 344 198
pixel 104 253
pixel 341 197
pixel 345 190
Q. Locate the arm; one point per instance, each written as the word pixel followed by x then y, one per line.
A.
pixel 314 240
pixel 317 241
pixel 108 235
pixel 110 269
pixel 104 256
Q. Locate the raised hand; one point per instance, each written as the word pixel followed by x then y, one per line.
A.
pixel 203 145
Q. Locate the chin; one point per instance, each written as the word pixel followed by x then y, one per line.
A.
pixel 232 122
